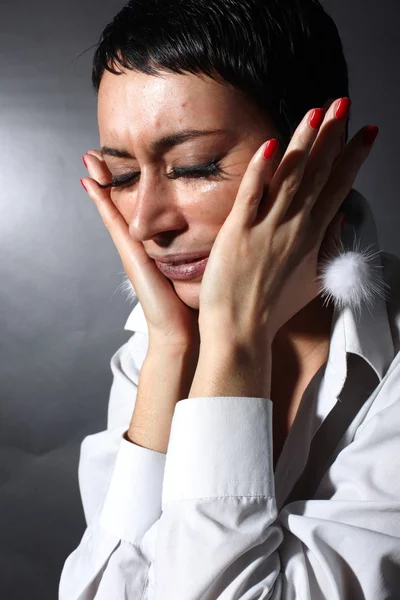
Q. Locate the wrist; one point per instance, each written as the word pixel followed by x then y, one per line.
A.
pixel 229 337
pixel 173 365
pixel 233 369
pixel 159 347
pixel 165 378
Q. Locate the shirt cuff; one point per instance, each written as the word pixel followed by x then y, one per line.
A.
pixel 219 446
pixel 133 500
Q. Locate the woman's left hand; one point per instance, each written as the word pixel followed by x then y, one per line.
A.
pixel 262 269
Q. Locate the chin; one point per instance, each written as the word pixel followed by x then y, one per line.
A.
pixel 188 292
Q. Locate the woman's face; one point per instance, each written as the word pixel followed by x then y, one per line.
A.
pixel 185 213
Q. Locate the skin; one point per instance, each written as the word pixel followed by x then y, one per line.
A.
pixel 185 215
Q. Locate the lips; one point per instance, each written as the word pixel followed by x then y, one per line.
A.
pixel 188 270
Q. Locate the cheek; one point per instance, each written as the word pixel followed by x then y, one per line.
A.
pixel 123 203
pixel 208 202
pixel 209 186
pixel 211 201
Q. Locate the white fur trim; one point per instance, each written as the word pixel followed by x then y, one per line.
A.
pixel 350 278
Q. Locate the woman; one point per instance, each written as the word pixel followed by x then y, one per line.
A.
pixel 252 443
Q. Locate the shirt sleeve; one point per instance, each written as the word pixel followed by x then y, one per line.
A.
pixel 120 485
pixel 219 534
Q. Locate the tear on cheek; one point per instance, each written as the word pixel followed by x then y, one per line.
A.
pixel 208 186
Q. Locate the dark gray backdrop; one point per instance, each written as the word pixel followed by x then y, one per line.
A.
pixel 61 310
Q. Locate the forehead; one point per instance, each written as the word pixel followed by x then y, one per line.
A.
pixel 139 104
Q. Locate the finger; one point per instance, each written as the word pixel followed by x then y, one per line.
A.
pixel 96 153
pixel 326 106
pixel 254 183
pixel 128 249
pixel 343 176
pixel 97 167
pixel 341 146
pixel 323 154
pixel 288 176
pixel 138 266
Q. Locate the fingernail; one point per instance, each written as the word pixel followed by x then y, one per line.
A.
pixel 83 184
pixel 316 118
pixel 369 134
pixel 84 161
pixel 270 148
pixel 342 108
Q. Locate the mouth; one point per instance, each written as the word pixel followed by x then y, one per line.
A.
pixel 181 270
pixel 185 262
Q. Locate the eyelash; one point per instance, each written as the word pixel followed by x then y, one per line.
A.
pixel 209 170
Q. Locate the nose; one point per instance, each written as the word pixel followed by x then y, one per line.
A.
pixel 155 208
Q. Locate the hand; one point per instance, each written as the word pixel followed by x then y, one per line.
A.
pixel 262 269
pixel 169 320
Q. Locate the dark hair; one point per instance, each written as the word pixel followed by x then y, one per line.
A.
pixel 286 55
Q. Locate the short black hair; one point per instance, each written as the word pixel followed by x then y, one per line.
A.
pixel 286 55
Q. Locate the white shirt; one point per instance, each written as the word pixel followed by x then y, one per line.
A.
pixel 211 520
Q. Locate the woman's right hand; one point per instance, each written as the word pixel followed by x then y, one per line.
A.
pixel 171 323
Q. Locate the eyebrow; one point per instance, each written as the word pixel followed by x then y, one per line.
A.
pixel 164 143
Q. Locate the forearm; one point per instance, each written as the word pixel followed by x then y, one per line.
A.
pixel 165 378
pixel 225 369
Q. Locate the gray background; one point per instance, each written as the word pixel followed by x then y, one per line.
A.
pixel 62 312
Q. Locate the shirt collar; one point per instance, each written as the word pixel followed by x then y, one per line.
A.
pixel 365 334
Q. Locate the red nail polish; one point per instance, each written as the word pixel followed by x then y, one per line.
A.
pixel 84 161
pixel 316 118
pixel 83 184
pixel 369 134
pixel 270 148
pixel 342 108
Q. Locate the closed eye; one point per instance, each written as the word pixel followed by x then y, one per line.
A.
pixel 209 170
